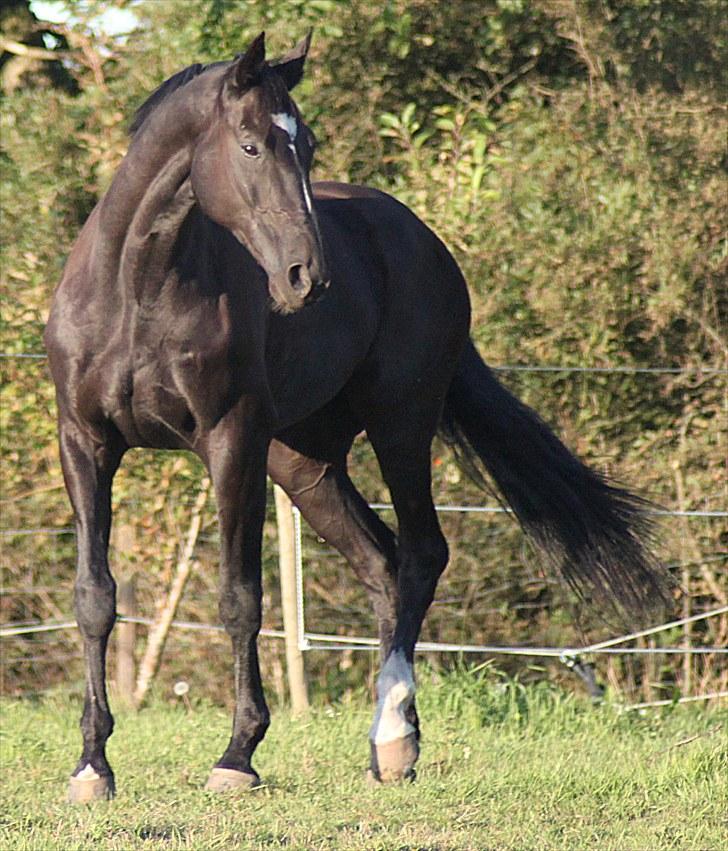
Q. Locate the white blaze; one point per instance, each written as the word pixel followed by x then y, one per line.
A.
pixel 288 123
pixel 395 692
pixel 304 182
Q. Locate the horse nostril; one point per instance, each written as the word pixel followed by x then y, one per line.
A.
pixel 299 278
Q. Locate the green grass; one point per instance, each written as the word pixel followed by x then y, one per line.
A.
pixel 503 767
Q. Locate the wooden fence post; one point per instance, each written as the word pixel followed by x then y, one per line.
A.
pixel 287 560
pixel 126 640
pixel 123 540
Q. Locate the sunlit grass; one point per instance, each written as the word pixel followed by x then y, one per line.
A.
pixel 503 766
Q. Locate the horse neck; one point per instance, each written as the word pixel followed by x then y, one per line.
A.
pixel 151 195
pixel 151 234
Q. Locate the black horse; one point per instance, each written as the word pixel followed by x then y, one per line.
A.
pixel 179 324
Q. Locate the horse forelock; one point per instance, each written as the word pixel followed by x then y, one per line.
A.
pixel 277 99
pixel 271 92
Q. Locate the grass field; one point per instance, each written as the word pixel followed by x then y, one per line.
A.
pixel 503 767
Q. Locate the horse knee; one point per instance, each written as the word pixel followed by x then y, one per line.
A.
pixel 240 613
pixel 95 605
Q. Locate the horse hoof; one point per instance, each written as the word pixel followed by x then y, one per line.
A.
pixel 371 778
pixel 89 786
pixel 394 761
pixel 228 779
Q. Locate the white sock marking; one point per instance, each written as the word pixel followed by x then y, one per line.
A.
pixel 395 692
pixel 87 773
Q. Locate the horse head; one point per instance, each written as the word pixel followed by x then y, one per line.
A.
pixel 250 173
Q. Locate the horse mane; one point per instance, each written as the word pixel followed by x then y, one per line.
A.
pixel 162 92
pixel 176 81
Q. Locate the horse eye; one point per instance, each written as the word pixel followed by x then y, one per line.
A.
pixel 250 150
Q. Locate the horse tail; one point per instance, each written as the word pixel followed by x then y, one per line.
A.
pixel 596 534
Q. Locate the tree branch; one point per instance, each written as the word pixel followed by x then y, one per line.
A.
pixel 20 49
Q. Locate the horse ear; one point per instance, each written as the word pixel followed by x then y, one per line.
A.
pixel 290 66
pixel 247 67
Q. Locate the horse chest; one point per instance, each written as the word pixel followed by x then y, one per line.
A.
pixel 182 388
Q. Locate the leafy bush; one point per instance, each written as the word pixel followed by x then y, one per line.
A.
pixel 573 158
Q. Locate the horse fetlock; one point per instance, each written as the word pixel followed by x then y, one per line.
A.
pixel 97 725
pixel 249 727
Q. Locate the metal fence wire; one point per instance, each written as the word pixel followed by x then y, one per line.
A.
pixel 308 641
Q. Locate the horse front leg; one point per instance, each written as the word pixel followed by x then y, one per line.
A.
pixel 237 463
pixel 338 513
pixel 88 468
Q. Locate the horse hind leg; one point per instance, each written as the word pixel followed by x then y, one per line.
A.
pixel 421 557
pixel 339 514
pixel 88 469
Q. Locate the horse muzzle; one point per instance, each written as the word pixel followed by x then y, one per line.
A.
pixel 300 285
pixel 307 286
